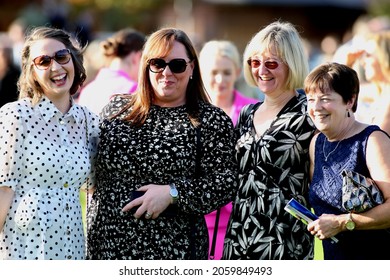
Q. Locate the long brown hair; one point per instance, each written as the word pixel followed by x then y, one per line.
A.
pixel 159 44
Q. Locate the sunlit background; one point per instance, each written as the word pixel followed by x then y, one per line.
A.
pixel 323 24
pixel 236 20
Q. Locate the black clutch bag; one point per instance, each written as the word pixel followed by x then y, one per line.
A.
pixel 171 210
pixel 360 193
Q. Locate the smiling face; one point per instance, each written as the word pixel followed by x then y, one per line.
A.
pixel 269 80
pixel 57 79
pixel 328 111
pixel 170 88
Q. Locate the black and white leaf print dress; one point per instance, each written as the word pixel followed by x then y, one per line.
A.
pixel 272 169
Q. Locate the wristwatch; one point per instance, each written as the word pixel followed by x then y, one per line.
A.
pixel 350 224
pixel 174 193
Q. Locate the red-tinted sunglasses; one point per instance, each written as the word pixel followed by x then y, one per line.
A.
pixel 269 64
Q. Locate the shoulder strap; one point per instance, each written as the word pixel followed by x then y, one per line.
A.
pixel 214 240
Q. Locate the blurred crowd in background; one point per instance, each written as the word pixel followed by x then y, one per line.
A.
pixel 154 14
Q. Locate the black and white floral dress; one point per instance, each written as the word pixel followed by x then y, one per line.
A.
pixel 161 151
pixel 272 170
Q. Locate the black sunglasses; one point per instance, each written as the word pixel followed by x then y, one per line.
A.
pixel 44 61
pixel 177 65
pixel 255 63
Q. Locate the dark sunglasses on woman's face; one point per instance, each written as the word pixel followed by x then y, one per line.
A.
pixel 177 65
pixel 43 62
pixel 269 64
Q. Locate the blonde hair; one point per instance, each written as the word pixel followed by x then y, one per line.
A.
pixel 284 38
pixel 221 48
pixel 382 50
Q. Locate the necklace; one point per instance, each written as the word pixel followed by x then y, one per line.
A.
pixel 347 133
pixel 332 151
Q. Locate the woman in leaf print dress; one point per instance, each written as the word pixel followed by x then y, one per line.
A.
pixel 272 151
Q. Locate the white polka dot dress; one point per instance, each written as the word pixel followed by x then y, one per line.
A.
pixel 44 159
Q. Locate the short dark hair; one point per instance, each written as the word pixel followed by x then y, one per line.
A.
pixel 337 77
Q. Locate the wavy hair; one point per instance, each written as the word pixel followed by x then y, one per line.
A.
pixel 28 86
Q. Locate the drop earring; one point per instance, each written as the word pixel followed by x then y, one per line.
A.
pixel 348 114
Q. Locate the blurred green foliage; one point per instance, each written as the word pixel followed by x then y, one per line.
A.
pixel 379 7
pixel 117 14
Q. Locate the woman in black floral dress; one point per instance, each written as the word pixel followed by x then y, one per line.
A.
pixel 149 143
pixel 272 152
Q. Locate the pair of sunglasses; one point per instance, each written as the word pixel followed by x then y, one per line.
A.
pixel 43 62
pixel 269 64
pixel 177 65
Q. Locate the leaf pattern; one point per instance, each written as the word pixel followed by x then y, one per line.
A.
pixel 272 170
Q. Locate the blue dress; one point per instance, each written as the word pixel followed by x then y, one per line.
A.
pixel 325 196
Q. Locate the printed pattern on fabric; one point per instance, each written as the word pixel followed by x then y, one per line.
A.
pixel 161 151
pixel 45 160
pixel 325 196
pixel 272 170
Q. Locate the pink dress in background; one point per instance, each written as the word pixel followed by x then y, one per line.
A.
pixel 239 101
pixel 99 91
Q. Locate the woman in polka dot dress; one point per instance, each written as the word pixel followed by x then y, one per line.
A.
pixel 47 147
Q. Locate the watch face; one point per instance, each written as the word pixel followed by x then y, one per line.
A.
pixel 174 193
pixel 350 225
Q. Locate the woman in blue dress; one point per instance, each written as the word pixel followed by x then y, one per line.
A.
pixel 344 143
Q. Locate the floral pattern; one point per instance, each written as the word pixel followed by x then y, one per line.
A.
pixel 272 170
pixel 161 151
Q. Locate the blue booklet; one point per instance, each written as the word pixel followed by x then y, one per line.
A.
pixel 302 213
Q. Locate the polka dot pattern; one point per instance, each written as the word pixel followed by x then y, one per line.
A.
pixel 45 159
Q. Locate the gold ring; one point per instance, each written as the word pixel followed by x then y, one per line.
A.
pixel 148 215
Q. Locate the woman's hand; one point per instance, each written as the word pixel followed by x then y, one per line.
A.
pixel 327 226
pixel 155 200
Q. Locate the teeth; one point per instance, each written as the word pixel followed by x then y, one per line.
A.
pixel 60 77
pixel 265 78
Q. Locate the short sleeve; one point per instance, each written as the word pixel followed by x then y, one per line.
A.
pixel 11 145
